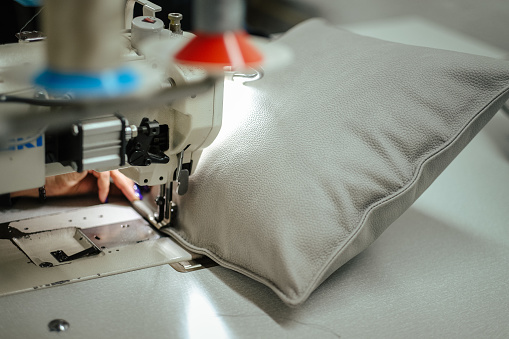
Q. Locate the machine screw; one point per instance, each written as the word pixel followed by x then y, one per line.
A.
pixel 175 26
pixel 58 325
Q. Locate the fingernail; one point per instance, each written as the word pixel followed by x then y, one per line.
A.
pixel 106 201
pixel 137 192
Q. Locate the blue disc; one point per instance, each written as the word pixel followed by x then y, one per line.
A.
pixel 110 83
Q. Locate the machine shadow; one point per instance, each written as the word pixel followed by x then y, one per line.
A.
pixel 498 131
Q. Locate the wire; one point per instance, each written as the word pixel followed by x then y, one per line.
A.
pixel 40 102
pixel 29 21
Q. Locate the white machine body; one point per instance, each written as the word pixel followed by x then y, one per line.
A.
pixel 193 121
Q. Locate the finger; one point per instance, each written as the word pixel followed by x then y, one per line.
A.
pixel 126 185
pixel 103 184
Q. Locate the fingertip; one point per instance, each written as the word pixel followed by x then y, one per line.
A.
pixel 103 198
pixel 103 185
pixel 127 186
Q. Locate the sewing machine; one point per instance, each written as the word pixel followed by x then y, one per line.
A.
pixel 104 92
pixel 380 293
pixel 115 101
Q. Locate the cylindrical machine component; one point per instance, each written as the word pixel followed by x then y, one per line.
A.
pixel 220 39
pixel 218 16
pixel 144 27
pixel 175 26
pixel 83 35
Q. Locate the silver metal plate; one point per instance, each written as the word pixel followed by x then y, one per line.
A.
pixel 126 242
pixel 121 234
pixel 42 247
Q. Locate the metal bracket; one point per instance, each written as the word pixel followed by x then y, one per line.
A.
pixel 193 265
pixel 149 9
pixel 182 175
pixel 62 257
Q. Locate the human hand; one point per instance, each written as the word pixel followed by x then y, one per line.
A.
pixel 70 184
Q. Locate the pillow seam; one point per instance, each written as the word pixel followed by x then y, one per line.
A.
pixel 444 146
pixel 319 274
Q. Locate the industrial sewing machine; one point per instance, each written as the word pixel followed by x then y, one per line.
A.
pixel 382 293
pixel 101 90
pixel 102 100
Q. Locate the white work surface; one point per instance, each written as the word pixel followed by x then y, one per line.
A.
pixel 441 270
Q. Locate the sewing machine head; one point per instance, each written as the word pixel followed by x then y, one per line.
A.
pixel 117 99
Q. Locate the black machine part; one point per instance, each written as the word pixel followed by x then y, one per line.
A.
pixel 149 145
pixel 102 143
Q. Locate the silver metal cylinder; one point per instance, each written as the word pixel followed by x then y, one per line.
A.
pixel 83 34
pixel 175 25
pixel 217 16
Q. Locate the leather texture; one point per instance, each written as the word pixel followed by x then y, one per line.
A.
pixel 316 160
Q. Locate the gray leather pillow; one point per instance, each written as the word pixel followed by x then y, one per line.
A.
pixel 316 160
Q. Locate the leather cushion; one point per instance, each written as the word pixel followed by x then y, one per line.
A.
pixel 316 160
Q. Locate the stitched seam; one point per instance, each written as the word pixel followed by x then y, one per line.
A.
pixel 225 263
pixel 318 274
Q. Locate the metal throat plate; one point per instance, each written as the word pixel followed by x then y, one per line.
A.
pixel 82 244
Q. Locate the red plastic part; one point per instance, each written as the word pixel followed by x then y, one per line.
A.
pixel 220 50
